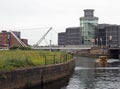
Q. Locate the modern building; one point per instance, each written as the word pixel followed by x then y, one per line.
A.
pixel 90 32
pixel 8 40
pixel 100 34
pixel 107 34
pixel 87 24
pixel 62 38
pixel 72 36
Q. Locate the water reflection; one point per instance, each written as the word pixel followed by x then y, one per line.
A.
pixel 88 75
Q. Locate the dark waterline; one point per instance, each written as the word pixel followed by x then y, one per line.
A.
pixel 88 75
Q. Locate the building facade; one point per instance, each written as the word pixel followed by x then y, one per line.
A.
pixel 90 32
pixel 72 36
pixel 4 39
pixel 100 34
pixel 62 38
pixel 108 34
pixel 7 40
pixel 87 24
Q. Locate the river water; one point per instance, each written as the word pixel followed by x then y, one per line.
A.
pixel 89 75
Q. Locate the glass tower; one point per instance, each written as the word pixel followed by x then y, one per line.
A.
pixel 87 24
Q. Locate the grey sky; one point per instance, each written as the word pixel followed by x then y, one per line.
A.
pixel 23 15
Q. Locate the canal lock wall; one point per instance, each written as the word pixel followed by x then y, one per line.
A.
pixel 93 52
pixel 28 77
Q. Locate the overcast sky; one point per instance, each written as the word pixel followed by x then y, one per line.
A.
pixel 29 15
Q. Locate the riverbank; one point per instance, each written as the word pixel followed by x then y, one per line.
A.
pixel 27 77
pixel 15 59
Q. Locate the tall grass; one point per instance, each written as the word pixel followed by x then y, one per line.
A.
pixel 20 59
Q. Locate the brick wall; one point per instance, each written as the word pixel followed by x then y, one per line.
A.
pixel 8 40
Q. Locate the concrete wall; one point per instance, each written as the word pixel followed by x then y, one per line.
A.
pixel 33 76
pixel 96 50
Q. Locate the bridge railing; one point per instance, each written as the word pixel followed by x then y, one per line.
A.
pixel 55 59
pixel 66 47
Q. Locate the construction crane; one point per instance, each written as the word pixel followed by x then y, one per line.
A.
pixel 22 43
pixel 42 38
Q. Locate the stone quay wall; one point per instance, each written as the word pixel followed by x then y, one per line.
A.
pixel 28 77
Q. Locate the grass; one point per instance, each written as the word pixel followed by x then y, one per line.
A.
pixel 10 60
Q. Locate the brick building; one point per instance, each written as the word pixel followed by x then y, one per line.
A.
pixel 8 40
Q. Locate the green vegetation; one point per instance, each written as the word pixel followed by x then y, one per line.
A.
pixel 3 76
pixel 12 59
pixel 20 47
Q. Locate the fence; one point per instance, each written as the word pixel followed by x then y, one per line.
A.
pixel 54 59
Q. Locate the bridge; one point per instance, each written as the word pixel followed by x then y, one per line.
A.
pixel 65 47
pixel 53 47
pixel 114 51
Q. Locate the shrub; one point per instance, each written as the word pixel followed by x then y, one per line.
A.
pixel 20 48
pixel 14 47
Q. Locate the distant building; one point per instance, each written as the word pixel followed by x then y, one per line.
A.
pixel 25 41
pixel 107 34
pixel 72 36
pixel 4 39
pixel 87 24
pixel 90 32
pixel 8 40
pixel 62 38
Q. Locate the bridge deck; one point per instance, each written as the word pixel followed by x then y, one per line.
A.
pixel 65 47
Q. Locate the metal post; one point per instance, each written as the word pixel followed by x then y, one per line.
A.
pixel 45 60
pixel 106 37
pixel 50 46
pixel 60 58
pixel 66 57
pixel 54 59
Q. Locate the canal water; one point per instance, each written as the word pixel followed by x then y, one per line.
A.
pixel 89 75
